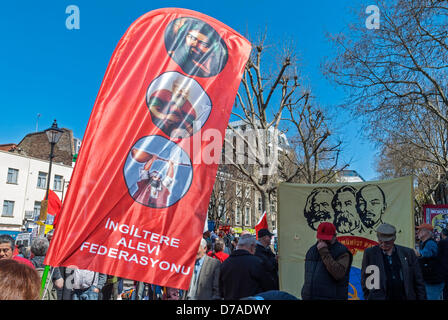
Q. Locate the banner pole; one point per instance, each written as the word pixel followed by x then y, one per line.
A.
pixel 44 280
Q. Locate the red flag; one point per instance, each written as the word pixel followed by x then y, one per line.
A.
pixel 54 203
pixel 140 189
pixel 261 224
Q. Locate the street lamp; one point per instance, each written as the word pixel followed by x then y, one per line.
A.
pixel 53 134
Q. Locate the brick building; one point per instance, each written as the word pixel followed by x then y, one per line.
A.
pixel 36 145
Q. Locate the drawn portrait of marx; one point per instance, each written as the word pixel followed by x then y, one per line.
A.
pixel 196 47
pixel 318 207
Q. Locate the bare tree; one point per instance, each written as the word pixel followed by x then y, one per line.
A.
pixel 271 104
pixel 318 154
pixel 222 200
pixel 396 78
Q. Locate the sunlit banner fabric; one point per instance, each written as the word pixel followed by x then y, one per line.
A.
pixel 356 209
pixel 139 194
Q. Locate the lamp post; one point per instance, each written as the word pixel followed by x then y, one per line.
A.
pixel 53 134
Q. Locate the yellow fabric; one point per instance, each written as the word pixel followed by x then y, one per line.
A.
pixel 297 233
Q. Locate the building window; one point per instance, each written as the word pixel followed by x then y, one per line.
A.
pixel 12 175
pixel 8 208
pixel 273 206
pixel 247 215
pixel 58 180
pixel 36 209
pixel 29 214
pixel 247 193
pixel 42 180
pixel 238 216
pixel 238 190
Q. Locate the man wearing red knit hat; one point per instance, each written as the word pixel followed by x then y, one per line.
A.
pixel 327 267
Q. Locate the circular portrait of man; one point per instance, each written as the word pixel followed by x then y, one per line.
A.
pixel 371 204
pixel 157 172
pixel 346 217
pixel 196 47
pixel 178 105
pixel 318 207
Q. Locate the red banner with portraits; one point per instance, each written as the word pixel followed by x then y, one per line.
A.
pixel 138 197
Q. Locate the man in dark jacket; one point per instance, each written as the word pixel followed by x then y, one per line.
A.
pixel 242 274
pixel 390 271
pixel 264 252
pixel 443 259
pixel 427 254
pixel 327 267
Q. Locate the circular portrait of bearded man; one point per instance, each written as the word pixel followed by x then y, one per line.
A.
pixel 178 105
pixel 196 47
pixel 318 207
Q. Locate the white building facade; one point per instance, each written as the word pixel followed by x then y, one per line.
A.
pixel 23 183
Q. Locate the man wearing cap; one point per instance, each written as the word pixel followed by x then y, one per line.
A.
pixel 427 254
pixel 390 271
pixel 269 259
pixel 327 267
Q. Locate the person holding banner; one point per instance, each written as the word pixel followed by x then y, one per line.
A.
pixel 7 247
pixel 427 254
pixel 264 252
pixel 39 248
pixel 327 267
pixel 443 258
pixel 390 271
pixel 242 273
pixel 204 283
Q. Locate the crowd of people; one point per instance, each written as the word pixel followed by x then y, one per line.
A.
pixel 229 267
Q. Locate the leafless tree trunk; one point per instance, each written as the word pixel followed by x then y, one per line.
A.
pixel 272 105
pixel 397 79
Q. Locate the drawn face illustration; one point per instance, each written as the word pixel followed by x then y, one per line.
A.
pixel 371 205
pixel 319 208
pixel 346 217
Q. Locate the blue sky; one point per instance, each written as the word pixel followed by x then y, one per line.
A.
pixel 56 72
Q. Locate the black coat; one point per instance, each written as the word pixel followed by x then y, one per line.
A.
pixel 243 275
pixel 430 266
pixel 319 283
pixel 443 257
pixel 270 264
pixel 414 286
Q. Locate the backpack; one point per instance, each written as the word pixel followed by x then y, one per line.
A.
pixel 50 292
pixel 430 267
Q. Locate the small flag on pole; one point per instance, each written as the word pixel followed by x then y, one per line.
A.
pixel 261 224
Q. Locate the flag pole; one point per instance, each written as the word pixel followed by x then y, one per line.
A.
pixel 44 280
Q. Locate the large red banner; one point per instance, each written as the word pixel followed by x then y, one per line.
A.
pixel 138 197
